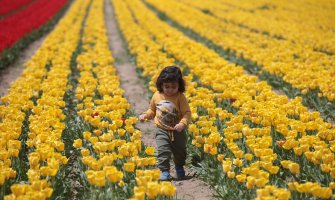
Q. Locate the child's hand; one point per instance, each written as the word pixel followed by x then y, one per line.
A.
pixel 142 118
pixel 179 127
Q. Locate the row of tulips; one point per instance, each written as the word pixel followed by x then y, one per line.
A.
pixel 238 133
pixel 111 150
pixel 37 96
pixel 10 52
pixel 279 19
pixel 297 65
pixel 8 7
pixel 33 17
pixel 243 90
pixel 305 117
pixel 197 96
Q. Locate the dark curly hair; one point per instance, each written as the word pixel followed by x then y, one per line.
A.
pixel 170 74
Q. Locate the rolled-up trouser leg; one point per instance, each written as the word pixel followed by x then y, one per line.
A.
pixel 178 147
pixel 164 149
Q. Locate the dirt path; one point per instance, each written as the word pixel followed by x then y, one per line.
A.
pixel 11 73
pixel 136 93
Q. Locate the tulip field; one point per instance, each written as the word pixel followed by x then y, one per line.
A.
pixel 259 80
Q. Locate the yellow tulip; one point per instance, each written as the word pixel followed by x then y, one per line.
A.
pixel 85 152
pixel 261 182
pixel 250 182
pixel 328 158
pixel 285 163
pixel 46 171
pixel 231 174
pixel 153 189
pixel 139 195
pixel 294 168
pixel 293 186
pixel 64 160
pixel 99 179
pixel 214 151
pixel 226 167
pixel 87 135
pixel 121 184
pixel 39 185
pixel 220 157
pixel 14 144
pixel 324 193
pixel 114 177
pixel 241 178
pixel 332 185
pixel 121 132
pixel 238 154
pixel 195 116
pixel 205 130
pixel 107 137
pixel 130 129
pixel 248 156
pixel 200 139
pixel 18 189
pixel 250 185
pixel 282 194
pixel 150 151
pixel 93 139
pixel 33 175
pixel 325 168
pixel 118 123
pixel 112 127
pixel 298 151
pixel 167 189
pixel 134 120
pixel 47 192
pixel 263 193
pixel 129 167
pixel 274 169
pixel 97 132
pixel 77 143
pixel 59 145
pixel 238 162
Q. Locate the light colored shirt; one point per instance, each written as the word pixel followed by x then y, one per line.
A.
pixel 168 111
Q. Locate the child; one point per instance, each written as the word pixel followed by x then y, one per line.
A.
pixel 171 114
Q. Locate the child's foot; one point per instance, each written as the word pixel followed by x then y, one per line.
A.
pixel 165 176
pixel 180 172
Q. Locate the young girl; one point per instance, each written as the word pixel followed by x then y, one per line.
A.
pixel 171 114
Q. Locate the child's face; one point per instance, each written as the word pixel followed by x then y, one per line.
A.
pixel 170 89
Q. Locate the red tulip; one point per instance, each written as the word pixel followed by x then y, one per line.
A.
pixel 232 100
pixel 95 115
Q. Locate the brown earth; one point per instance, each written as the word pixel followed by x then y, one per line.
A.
pixel 136 93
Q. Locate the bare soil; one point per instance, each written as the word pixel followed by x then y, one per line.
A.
pixel 137 95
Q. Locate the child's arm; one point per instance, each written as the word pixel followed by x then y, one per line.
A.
pixel 151 112
pixel 186 113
